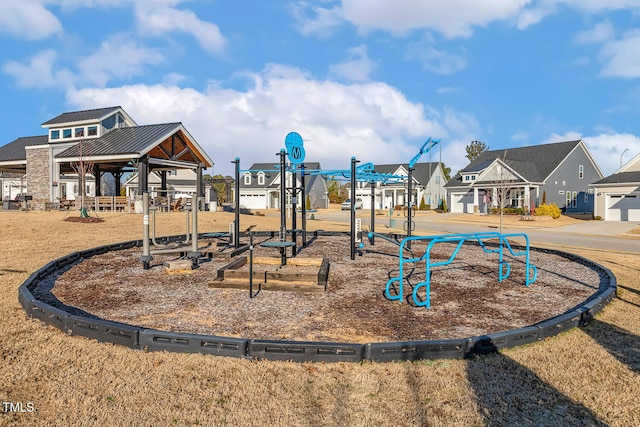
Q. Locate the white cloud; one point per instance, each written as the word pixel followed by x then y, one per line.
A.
pixel 622 57
pixel 601 33
pixel 357 67
pixel 432 59
pixel 39 71
pixel 372 121
pixel 321 23
pixel 540 9
pixel 606 148
pixel 118 57
pixel 158 19
pixel 454 18
pixel 28 19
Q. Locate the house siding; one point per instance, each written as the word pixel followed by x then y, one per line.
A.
pixel 565 178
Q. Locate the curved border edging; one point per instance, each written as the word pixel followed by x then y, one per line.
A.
pixel 303 351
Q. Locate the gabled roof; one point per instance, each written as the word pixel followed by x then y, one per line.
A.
pixel 131 140
pixel 81 116
pixel 15 150
pixel 632 177
pixel 534 163
pixel 422 171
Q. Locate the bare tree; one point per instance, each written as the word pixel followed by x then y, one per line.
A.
pixel 83 167
pixel 503 189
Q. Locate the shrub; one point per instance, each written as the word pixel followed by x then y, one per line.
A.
pixel 551 210
pixel 423 205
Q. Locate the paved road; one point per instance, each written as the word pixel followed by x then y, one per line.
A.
pixel 590 234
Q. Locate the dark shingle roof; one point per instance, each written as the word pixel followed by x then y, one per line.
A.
pixel 534 163
pixel 80 116
pixel 621 178
pixel 131 140
pixel 271 172
pixel 15 150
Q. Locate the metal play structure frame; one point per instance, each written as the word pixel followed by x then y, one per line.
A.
pixel 481 238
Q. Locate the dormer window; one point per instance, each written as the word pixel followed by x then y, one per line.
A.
pixel 79 132
pixel 247 179
pixel 66 133
pixel 92 131
pixel 55 134
pixel 261 178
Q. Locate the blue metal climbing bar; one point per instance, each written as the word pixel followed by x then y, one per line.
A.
pixel 482 238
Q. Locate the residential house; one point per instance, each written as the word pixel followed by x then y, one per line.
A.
pixel 559 173
pixel 260 187
pixel 110 141
pixel 618 195
pixel 428 186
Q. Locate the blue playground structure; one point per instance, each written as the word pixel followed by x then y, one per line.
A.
pixel 504 268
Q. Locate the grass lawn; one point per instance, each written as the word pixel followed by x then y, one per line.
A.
pixel 587 376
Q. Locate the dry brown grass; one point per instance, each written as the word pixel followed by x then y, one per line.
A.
pixel 587 376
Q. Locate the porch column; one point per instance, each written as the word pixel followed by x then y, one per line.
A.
pixel 117 175
pixel 494 199
pixel 163 183
pixel 527 198
pixel 475 200
pixel 96 175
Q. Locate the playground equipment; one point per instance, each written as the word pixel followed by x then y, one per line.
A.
pixel 504 268
pixel 147 253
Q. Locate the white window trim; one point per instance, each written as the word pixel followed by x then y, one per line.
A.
pixel 580 172
pixel 260 178
pixel 247 178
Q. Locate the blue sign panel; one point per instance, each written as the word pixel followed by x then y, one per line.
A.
pixel 295 150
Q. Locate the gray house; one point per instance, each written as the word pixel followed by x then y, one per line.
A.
pixel 559 172
pixel 260 187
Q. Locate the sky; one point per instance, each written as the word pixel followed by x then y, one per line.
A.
pixel 356 78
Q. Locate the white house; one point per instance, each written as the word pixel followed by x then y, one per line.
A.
pixel 618 195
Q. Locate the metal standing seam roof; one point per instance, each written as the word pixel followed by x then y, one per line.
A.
pixel 81 116
pixel 15 150
pixel 535 163
pixel 130 140
pixel 620 178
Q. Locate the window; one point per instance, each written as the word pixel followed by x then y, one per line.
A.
pixel 466 178
pixel 261 178
pixel 66 133
pixel 574 199
pixel 247 179
pixel 586 197
pixel 437 179
pixel 92 131
pixel 173 173
pixel 79 132
pixel 560 192
pixel 568 203
pixel 473 177
pixel 55 134
pixel 580 172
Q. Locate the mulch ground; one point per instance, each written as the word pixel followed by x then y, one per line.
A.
pixel 466 297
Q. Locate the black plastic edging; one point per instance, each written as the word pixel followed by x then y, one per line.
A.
pixel 301 351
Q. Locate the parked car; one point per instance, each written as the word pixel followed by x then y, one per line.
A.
pixel 347 204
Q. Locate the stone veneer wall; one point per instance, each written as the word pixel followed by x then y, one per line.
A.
pixel 38 173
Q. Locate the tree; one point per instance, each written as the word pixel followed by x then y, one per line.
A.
pixel 503 189
pixel 337 193
pixel 446 171
pixel 475 149
pixel 83 167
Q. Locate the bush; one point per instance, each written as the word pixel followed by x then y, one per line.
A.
pixel 423 205
pixel 551 210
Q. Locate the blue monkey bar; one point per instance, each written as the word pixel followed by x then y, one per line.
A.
pixel 504 268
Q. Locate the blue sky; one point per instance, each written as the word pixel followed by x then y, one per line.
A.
pixel 371 79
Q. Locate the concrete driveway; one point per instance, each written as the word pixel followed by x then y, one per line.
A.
pixel 601 228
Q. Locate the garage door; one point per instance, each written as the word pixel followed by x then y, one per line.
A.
pixel 623 207
pixel 461 202
pixel 253 201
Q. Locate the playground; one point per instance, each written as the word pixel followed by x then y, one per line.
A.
pixel 466 297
